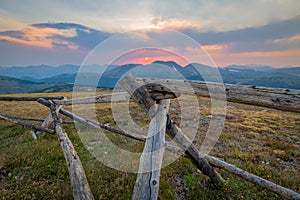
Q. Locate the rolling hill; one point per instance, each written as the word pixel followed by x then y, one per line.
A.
pixel 13 85
pixel 46 78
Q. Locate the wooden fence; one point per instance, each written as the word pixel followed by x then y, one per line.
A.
pixel 154 96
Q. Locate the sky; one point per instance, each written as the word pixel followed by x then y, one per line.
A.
pixel 56 32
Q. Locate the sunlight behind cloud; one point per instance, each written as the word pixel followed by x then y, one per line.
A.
pixel 176 24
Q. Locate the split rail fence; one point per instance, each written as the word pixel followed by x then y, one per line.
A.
pixel 154 95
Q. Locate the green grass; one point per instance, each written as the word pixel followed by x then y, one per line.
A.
pixel 264 143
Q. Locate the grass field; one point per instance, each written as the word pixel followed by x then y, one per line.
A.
pixel 262 141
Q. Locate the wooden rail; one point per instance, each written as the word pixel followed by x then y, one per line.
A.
pixel 103 98
pixel 24 118
pixel 281 99
pixel 31 98
pixel 92 123
pixel 115 98
pixel 26 124
pixel 31 118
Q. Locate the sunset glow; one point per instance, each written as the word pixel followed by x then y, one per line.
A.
pixel 61 28
pixel 149 55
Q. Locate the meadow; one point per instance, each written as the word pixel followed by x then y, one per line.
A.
pixel 259 140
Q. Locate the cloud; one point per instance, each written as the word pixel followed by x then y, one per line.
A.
pixel 59 25
pixel 120 15
pixel 277 36
pixel 49 35
pixel 38 36
pixel 293 39
pixel 262 38
pixel 158 22
pixel 13 34
pixel 226 15
pixel 48 43
pixel 84 37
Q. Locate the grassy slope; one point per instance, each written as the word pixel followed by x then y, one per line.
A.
pixel 14 85
pixel 265 143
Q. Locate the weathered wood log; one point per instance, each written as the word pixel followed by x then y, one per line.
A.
pixel 117 97
pixel 93 123
pixel 31 118
pixel 29 98
pixel 142 97
pixel 80 186
pixel 282 191
pixel 26 124
pixel 24 118
pixel 103 98
pixel 148 178
pixel 281 99
pixel 45 123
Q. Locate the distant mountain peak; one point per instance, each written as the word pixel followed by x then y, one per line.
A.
pixel 170 62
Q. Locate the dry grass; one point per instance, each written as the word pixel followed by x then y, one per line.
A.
pixel 263 141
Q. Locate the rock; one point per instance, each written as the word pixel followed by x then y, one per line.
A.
pixel 229 107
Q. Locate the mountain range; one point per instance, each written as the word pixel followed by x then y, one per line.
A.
pixel 45 78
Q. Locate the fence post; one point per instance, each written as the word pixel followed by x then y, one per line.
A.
pixel 147 182
pixel 80 186
pixel 143 98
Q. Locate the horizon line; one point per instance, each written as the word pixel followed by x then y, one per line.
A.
pixel 165 61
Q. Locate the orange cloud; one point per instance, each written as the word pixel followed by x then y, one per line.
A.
pixel 42 37
pixel 215 48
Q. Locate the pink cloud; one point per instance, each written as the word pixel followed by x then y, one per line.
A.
pixel 42 37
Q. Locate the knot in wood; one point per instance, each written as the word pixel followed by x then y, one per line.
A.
pixel 154 182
